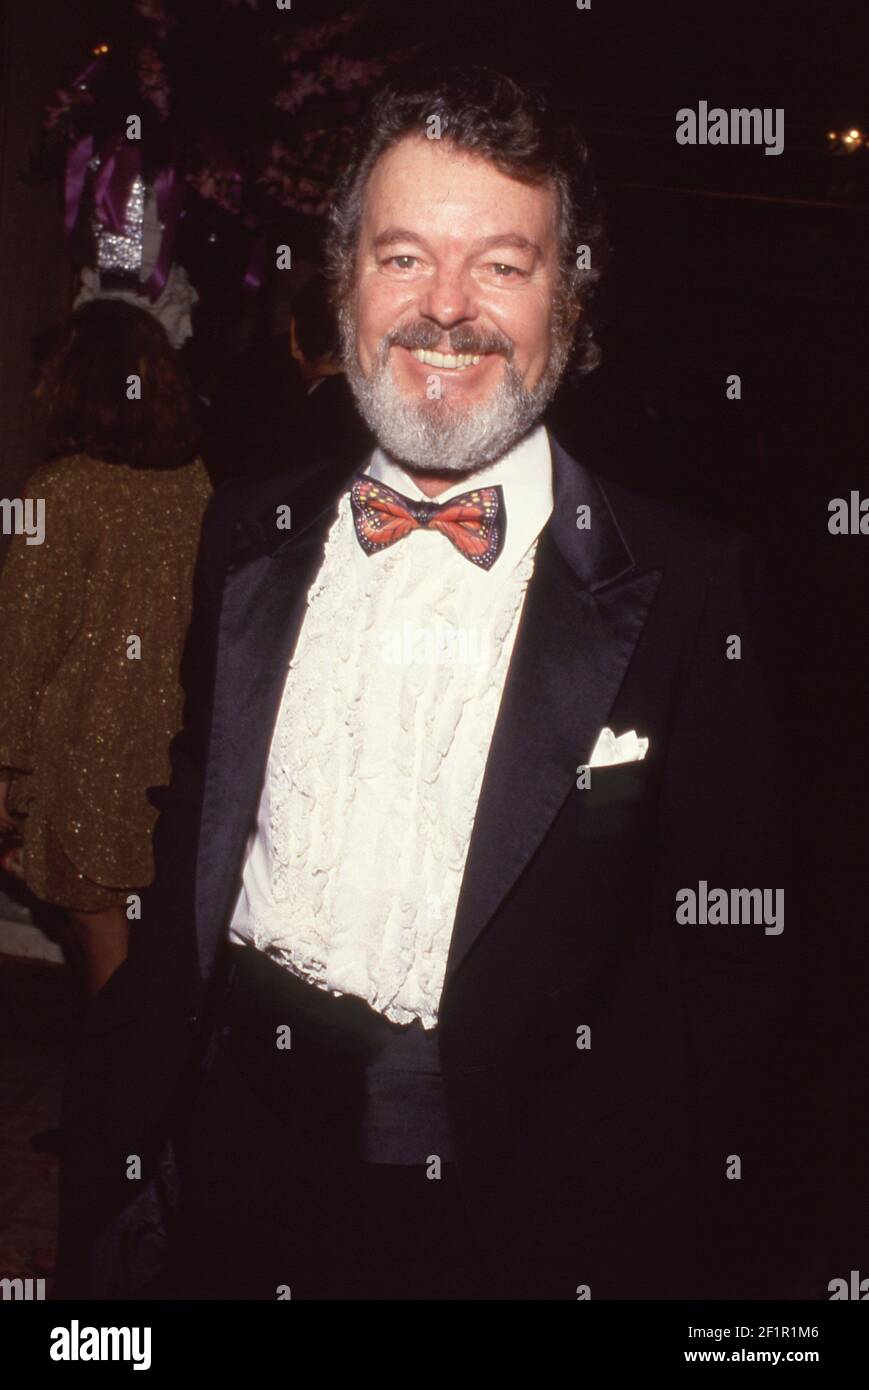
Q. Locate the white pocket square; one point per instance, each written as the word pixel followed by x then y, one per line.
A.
pixel 627 748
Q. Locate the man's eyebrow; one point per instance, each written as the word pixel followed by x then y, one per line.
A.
pixel 513 239
pixel 392 234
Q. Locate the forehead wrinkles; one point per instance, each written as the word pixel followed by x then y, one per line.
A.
pixel 416 181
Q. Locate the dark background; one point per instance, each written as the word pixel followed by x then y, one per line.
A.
pixel 725 261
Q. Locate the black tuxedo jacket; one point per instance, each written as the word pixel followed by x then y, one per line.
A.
pixel 603 1064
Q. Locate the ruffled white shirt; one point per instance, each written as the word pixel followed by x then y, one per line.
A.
pixel 354 867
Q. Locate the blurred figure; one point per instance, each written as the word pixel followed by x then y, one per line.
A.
pixel 92 620
pixel 286 399
pixel 252 410
pixel 328 424
pixel 314 340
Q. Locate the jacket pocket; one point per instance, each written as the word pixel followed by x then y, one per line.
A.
pixel 617 799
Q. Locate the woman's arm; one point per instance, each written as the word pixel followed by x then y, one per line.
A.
pixel 41 604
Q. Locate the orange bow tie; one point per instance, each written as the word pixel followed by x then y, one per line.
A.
pixel 474 521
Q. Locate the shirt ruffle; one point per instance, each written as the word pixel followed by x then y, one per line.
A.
pixel 375 770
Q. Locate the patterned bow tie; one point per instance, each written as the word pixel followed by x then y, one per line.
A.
pixel 474 521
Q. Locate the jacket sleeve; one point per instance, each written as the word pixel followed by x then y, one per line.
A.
pixel 42 589
pixel 140 1035
pixel 725 823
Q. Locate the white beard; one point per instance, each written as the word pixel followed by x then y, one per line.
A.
pixel 436 436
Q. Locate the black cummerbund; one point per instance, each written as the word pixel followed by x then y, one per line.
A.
pixel 344 1079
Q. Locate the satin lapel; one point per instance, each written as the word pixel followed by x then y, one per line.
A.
pixel 584 611
pixel 263 606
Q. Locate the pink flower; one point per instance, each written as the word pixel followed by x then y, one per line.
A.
pixel 153 82
pixel 346 73
pixel 155 12
pixel 221 186
pixel 291 98
pixel 66 99
pixel 316 36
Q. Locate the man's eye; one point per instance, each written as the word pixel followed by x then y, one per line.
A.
pixel 401 262
pixel 504 271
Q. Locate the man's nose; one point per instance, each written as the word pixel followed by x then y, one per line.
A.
pixel 448 299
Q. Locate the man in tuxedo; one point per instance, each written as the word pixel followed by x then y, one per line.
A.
pixel 428 999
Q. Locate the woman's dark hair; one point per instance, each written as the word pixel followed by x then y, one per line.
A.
pixel 489 115
pixel 82 395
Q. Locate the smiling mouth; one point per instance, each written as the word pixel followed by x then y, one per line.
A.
pixel 458 362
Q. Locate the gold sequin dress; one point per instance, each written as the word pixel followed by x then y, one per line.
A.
pixel 87 711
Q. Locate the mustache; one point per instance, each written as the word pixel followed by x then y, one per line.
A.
pixel 425 335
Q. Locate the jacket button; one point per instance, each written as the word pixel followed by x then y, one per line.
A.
pixel 193 1020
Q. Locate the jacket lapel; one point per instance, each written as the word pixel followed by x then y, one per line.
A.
pixel 584 611
pixel 263 606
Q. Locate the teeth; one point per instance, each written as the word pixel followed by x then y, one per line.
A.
pixel 445 359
